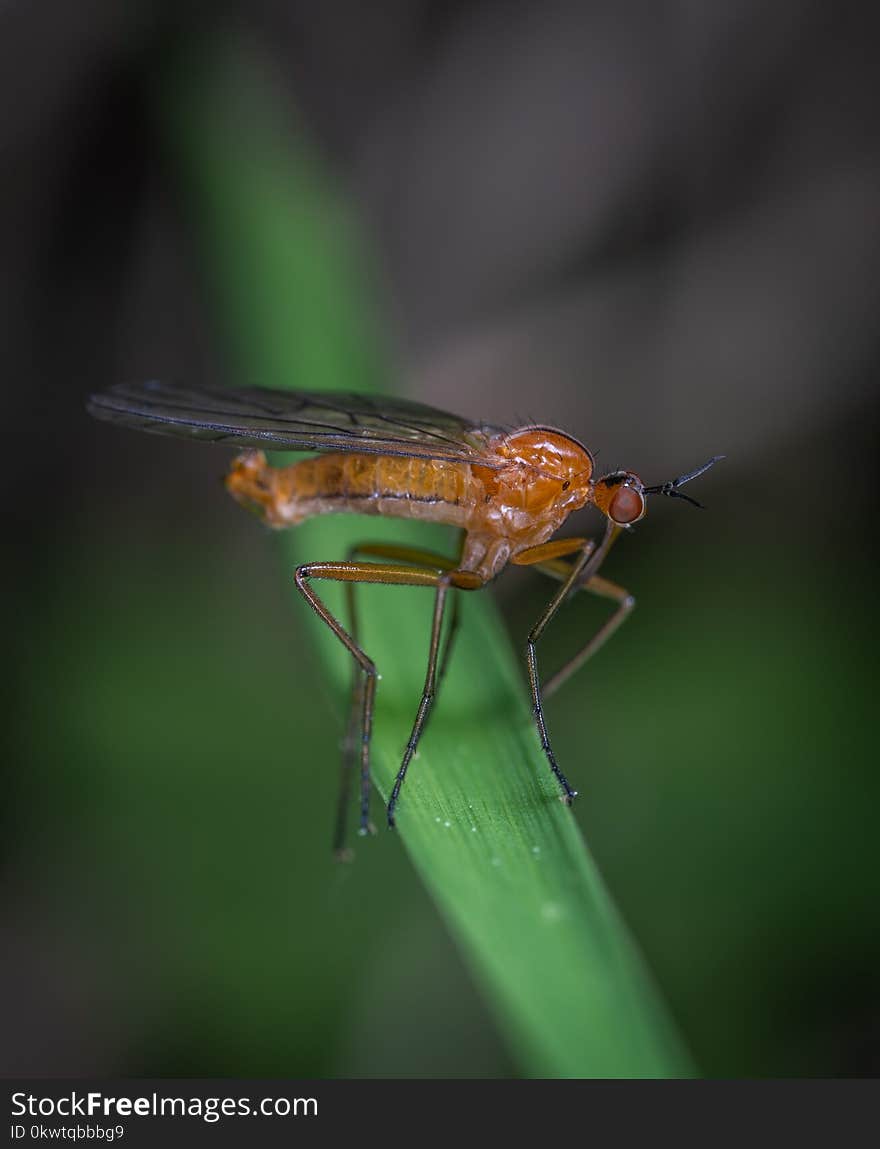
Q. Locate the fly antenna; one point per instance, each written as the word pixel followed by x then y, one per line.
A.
pixel 670 488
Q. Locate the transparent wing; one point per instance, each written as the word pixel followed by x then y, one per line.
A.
pixel 296 420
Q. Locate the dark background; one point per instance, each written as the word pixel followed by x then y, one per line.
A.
pixel 654 225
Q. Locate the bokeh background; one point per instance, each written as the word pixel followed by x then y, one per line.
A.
pixel 654 225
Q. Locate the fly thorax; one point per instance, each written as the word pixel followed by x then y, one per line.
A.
pixel 546 478
pixel 528 502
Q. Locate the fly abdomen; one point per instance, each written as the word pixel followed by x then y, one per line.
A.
pixel 400 487
pixel 381 485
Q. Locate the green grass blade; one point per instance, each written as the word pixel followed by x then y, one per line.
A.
pixel 480 815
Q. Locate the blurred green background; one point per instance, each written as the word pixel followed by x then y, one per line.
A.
pixel 170 903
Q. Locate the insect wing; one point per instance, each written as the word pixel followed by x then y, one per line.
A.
pixel 295 420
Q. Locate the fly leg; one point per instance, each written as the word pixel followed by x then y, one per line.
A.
pixel 349 756
pixel 428 692
pixel 352 738
pixel 579 572
pixel 386 574
pixel 452 631
pixel 363 694
pixel 418 557
pixel 421 558
pixel 604 589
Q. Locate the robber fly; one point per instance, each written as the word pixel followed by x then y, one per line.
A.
pixel 507 491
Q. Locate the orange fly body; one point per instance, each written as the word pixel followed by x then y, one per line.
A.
pixel 508 492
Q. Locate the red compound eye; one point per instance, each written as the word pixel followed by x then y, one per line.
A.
pixel 627 506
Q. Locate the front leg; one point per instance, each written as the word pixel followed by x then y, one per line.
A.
pixel 579 573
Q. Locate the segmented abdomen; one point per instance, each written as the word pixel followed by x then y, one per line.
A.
pixel 378 484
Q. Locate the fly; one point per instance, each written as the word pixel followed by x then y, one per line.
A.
pixel 508 492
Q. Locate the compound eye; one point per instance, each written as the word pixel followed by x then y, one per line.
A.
pixel 627 506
